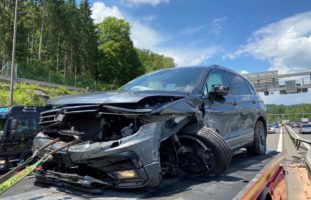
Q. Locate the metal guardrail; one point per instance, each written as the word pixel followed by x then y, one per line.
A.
pixel 41 83
pixel 308 163
pixel 296 138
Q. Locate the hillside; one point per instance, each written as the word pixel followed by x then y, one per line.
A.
pixel 30 95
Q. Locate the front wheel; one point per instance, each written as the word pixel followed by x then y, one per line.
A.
pixel 204 151
pixel 259 145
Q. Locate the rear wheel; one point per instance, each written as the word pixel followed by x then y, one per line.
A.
pixel 204 151
pixel 259 145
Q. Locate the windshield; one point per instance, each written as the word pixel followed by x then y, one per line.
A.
pixel 2 122
pixel 177 79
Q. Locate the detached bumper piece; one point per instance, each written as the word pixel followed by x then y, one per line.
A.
pixel 121 170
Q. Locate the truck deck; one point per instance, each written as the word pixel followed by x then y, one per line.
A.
pixel 226 186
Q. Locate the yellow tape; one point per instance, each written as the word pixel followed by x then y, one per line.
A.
pixel 16 178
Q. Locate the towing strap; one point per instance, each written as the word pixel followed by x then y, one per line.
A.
pixel 19 176
pixel 22 165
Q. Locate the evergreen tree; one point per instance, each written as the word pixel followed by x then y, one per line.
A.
pixel 58 38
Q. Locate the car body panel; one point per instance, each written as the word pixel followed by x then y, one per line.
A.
pixel 111 97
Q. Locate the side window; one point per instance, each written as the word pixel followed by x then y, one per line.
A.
pixel 237 85
pixel 215 78
pixel 33 124
pixel 22 125
pixel 250 87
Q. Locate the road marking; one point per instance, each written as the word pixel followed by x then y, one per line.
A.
pixel 298 136
pixel 280 144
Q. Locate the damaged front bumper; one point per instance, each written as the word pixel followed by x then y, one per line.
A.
pixel 129 162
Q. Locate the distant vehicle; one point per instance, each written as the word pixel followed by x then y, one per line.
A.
pixel 18 127
pixel 276 125
pixel 305 128
pixel 295 125
pixel 304 120
pixel 271 129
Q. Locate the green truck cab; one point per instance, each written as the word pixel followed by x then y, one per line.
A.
pixel 18 127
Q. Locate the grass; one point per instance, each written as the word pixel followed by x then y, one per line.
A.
pixel 30 95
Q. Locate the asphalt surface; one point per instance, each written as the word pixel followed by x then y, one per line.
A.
pixel 226 186
pixel 298 184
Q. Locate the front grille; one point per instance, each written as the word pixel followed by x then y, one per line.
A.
pixel 51 116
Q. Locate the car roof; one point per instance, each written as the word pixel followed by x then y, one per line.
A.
pixel 208 68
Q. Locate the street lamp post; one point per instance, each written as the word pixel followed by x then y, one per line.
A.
pixel 13 56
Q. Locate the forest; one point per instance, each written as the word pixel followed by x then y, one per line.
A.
pixel 58 41
pixel 277 113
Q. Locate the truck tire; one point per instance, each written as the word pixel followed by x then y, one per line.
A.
pixel 259 144
pixel 217 145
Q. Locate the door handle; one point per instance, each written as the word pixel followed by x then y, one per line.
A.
pixel 234 103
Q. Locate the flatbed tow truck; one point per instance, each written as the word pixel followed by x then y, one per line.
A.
pixel 249 177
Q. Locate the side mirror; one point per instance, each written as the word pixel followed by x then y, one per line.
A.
pixel 13 125
pixel 219 91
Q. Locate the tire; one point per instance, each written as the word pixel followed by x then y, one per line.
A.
pixel 260 135
pixel 219 150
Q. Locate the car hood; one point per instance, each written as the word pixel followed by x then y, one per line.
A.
pixel 111 97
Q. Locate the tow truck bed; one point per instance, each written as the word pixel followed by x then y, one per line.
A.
pixel 243 169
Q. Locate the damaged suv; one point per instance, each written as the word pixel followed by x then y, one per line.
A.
pixel 177 121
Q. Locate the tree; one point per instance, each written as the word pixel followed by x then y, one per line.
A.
pixel 152 61
pixel 6 30
pixel 58 41
pixel 120 60
pixel 88 44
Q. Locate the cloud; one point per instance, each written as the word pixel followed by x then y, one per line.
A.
pixel 286 44
pixel 146 37
pixel 139 30
pixel 217 25
pixel 148 18
pixel 135 3
pixel 244 72
pixel 100 11
pixel 190 56
pixel 192 30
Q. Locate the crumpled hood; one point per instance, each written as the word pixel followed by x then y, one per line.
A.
pixel 111 97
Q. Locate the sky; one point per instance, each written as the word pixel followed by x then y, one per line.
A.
pixel 245 36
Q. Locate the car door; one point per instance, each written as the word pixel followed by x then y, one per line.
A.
pixel 246 105
pixel 221 113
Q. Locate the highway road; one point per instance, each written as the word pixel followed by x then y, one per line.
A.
pixel 225 186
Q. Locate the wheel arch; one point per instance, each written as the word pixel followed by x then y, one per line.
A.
pixel 263 120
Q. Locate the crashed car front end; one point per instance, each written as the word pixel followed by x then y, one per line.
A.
pixel 120 143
